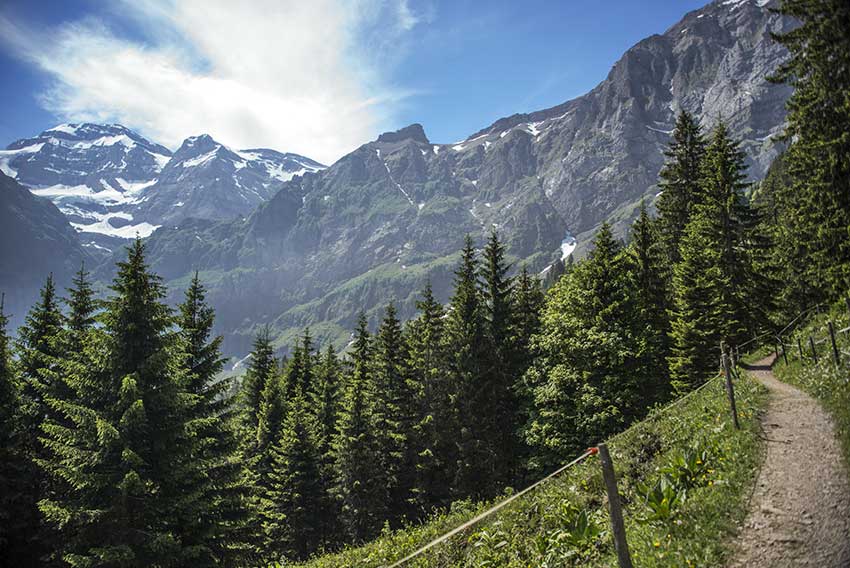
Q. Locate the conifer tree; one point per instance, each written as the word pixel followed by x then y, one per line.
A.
pixel 653 297
pixel 360 482
pixel 262 366
pixel 434 433
pixel 326 399
pixel 680 183
pixel 127 459
pixel 39 350
pixel 817 203
pixel 585 372
pixel 527 302
pixel 294 507
pixel 15 502
pixel 81 310
pixel 466 344
pixel 220 476
pixel 500 368
pixel 394 415
pixel 299 370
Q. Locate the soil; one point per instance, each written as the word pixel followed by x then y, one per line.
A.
pixel 799 514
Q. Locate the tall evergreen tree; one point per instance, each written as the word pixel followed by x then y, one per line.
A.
pixel 16 503
pixel 434 434
pixel 466 344
pixel 680 183
pixel 220 476
pixel 588 353
pixel 394 414
pixel 501 367
pixel 360 484
pixel 299 370
pixel 39 351
pixel 262 367
pixel 653 296
pixel 816 202
pixel 527 302
pixel 294 508
pixel 128 460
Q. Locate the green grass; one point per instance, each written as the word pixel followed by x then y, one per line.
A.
pixel 565 522
pixel 823 380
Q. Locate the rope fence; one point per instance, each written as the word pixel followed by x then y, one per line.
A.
pixel 728 372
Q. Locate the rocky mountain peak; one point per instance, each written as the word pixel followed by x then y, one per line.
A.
pixel 413 132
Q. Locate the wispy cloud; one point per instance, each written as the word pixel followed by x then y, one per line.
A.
pixel 309 77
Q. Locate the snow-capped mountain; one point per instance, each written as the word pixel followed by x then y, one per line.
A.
pixel 113 184
pixel 208 180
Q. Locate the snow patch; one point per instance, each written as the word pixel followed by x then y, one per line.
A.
pixel 568 245
pixel 202 159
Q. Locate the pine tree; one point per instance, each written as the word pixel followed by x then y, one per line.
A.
pixel 466 344
pixel 360 482
pixel 653 296
pixel 220 476
pixel 696 319
pixel 127 460
pixel 325 408
pixel 39 350
pixel 81 310
pixel 500 368
pixel 714 286
pixel 299 370
pixel 527 302
pixel 394 415
pixel 588 347
pixel 434 434
pixel 294 508
pixel 680 183
pixel 15 502
pixel 262 366
pixel 817 203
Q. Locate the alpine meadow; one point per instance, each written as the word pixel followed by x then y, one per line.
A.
pixel 551 343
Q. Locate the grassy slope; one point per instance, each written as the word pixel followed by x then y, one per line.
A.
pixel 823 380
pixel 545 528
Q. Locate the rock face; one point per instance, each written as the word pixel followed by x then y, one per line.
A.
pixel 113 184
pixel 35 240
pixel 384 219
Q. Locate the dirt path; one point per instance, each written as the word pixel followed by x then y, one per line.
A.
pixel 800 509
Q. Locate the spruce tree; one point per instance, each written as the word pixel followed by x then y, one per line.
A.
pixel 653 297
pixel 128 459
pixel 466 345
pixel 360 481
pixel 299 370
pixel 15 500
pixel 220 476
pixel 817 201
pixel 588 349
pixel 680 183
pixel 294 507
pixel 434 433
pixel 261 367
pixel 394 415
pixel 527 302
pixel 501 368
pixel 40 351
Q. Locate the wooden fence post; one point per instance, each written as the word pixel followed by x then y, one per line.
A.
pixel 800 347
pixel 730 390
pixel 834 345
pixel 618 527
pixel 784 354
pixel 814 351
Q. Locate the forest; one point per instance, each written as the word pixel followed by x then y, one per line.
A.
pixel 121 445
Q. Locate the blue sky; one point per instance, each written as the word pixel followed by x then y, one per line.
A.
pixel 318 78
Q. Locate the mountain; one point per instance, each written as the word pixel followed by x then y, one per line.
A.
pixel 391 215
pixel 113 184
pixel 35 240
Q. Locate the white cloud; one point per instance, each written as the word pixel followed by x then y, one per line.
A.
pixel 307 77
